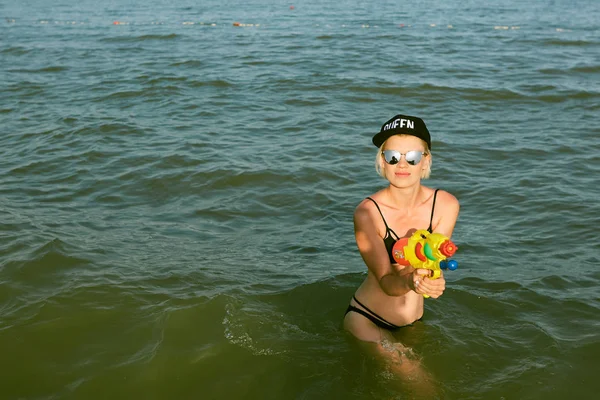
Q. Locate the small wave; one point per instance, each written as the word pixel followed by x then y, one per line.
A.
pixel 131 51
pixel 426 90
pixel 562 97
pixel 29 88
pixel 221 179
pixel 301 249
pixel 126 94
pixel 306 102
pixel 69 120
pixel 17 51
pixel 52 69
pixel 30 168
pixel 236 331
pixel 386 37
pixel 271 323
pixel 255 63
pixel 122 39
pixel 188 63
pixel 163 79
pixel 134 183
pixel 119 128
pixel 358 99
pixel 109 128
pixel 539 88
pixel 478 94
pixel 552 71
pixel 174 161
pixel 53 257
pixel 111 199
pixel 159 37
pixel 576 43
pixel 216 83
pixel 154 93
pixel 587 69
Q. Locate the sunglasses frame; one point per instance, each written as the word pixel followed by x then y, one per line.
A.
pixel 409 162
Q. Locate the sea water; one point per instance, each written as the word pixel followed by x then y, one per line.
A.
pixel 178 180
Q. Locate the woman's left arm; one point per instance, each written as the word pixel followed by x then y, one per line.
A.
pixel 447 210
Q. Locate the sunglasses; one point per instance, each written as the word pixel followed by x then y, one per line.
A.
pixel 412 157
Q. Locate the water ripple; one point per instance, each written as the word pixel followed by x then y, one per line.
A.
pixel 178 191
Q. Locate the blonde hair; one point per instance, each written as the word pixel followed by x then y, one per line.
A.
pixel 425 172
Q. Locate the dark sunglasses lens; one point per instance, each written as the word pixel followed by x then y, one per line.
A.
pixel 413 157
pixel 391 157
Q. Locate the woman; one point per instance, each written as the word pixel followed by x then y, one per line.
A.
pixel 391 296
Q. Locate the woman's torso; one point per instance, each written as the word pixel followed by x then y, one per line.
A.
pixel 405 309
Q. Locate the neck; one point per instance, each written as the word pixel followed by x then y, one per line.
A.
pixel 405 198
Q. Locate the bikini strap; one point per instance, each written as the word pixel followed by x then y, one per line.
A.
pixel 380 213
pixel 387 228
pixel 374 315
pixel 432 209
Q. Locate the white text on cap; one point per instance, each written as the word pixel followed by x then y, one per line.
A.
pixel 400 121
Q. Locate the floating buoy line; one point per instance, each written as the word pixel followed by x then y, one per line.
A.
pixel 237 24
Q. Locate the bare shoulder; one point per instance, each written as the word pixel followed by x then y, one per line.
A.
pixel 364 211
pixel 368 207
pixel 447 200
pixel 365 217
pixel 446 210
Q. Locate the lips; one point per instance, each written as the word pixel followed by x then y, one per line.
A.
pixel 402 174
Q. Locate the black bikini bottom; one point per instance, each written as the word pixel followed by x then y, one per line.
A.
pixel 371 316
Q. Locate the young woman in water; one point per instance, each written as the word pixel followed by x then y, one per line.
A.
pixel 391 296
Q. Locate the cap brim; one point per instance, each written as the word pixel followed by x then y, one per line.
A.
pixel 381 137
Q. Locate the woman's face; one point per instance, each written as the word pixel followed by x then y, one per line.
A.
pixel 403 173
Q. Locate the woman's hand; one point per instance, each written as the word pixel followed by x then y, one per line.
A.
pixel 423 284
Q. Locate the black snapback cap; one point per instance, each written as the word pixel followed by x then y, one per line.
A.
pixel 403 125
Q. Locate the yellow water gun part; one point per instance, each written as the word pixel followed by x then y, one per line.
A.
pixel 426 250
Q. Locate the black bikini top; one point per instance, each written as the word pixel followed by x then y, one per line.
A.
pixel 390 240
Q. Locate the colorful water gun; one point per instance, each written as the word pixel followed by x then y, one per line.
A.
pixel 426 250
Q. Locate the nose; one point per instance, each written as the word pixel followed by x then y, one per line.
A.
pixel 402 162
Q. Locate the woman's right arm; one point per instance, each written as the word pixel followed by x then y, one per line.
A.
pixel 393 281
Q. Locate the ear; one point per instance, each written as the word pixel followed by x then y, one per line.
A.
pixel 427 163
